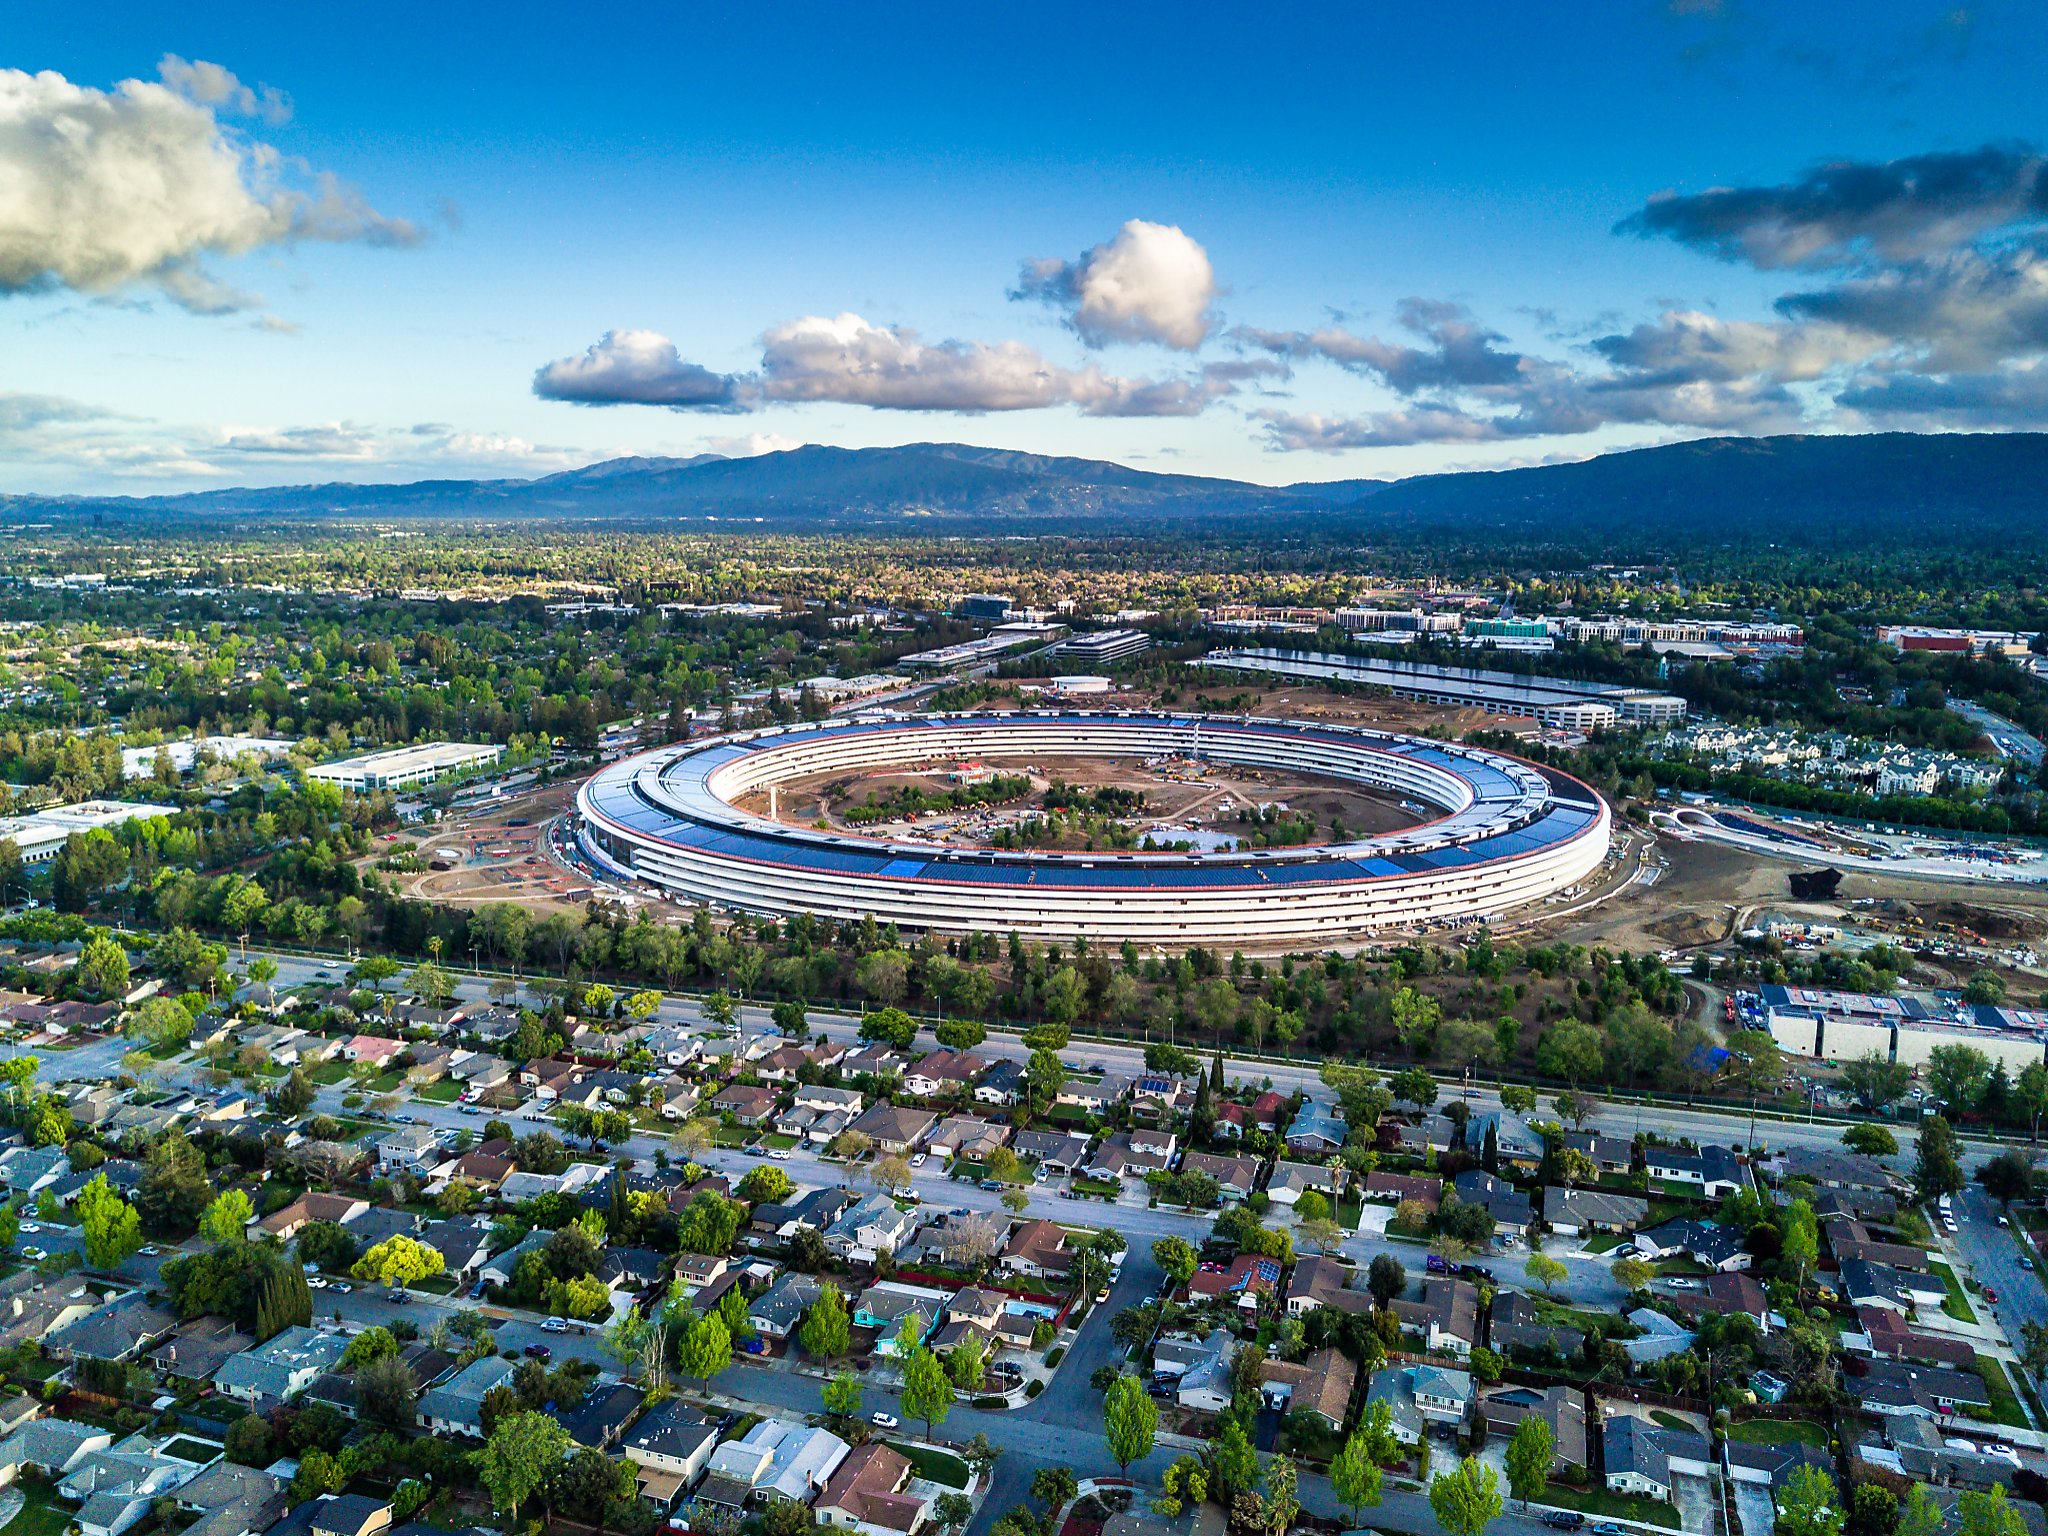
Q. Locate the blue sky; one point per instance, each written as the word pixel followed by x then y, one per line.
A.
pixel 1280 244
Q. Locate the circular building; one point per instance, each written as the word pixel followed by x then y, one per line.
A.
pixel 1506 833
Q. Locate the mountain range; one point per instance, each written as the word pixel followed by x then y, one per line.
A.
pixel 1893 488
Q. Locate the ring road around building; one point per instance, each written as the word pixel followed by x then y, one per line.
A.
pixel 1507 833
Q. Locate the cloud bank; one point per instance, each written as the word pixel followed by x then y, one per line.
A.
pixel 138 186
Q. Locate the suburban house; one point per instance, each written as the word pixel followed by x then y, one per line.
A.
pixel 1642 1457
pixel 1395 1386
pixel 1001 1085
pixel 1833 1168
pixel 1864 1284
pixel 669 1446
pixel 455 1407
pixel 1713 1170
pixel 1562 1408
pixel 968 1136
pixel 872 1225
pixel 1321 1384
pixel 1442 1395
pixel 828 1100
pixel 1608 1154
pixel 114 1488
pixel 1057 1152
pixel 1316 1129
pixel 1320 1281
pixel 747 1106
pixel 1236 1177
pixel 280 1369
pixel 1393 1188
pixel 896 1131
pixel 778 1460
pixel 777 1311
pixel 408 1149
pixel 1582 1212
pixel 870 1494
pixel 1201 1371
pixel 1447 1315
pixel 314 1205
pixel 1249 1277
pixel 1704 1242
pixel 1038 1248
pixel 1290 1181
pixel 377 1050
pixel 1518 1332
pixel 942 1072
pixel 1507 1205
pixel 1893 1388
pixel 1886 1334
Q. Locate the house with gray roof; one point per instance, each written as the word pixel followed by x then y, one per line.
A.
pixel 1642 1457
pixel 115 1487
pixel 49 1448
pixel 1395 1386
pixel 279 1370
pixel 777 1311
pixel 1442 1395
pixel 126 1326
pixel 455 1407
pixel 1581 1212
pixel 1704 1242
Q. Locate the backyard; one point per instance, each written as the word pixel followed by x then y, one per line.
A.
pixel 1780 1432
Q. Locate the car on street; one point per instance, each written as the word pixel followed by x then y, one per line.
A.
pixel 398 1297
pixel 538 1351
pixel 779 1155
pixel 316 1282
pixel 1607 1528
pixel 149 1250
pixel 555 1325
pixel 1563 1519
pixel 919 1159
pixel 340 1285
pixel 883 1420
pixel 2025 1262
pixel 1680 1283
pixel 1101 1296
pixel 755 1151
pixel 1991 1295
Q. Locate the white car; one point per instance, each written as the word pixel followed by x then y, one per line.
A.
pixel 340 1285
pixel 1680 1283
pixel 883 1420
pixel 555 1325
pixel 919 1159
pixel 778 1154
pixel 316 1282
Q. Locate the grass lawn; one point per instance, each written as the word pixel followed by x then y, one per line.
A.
pixel 1600 1503
pixel 1082 1186
pixel 167 1050
pixel 328 1073
pixel 2005 1407
pixel 41 1513
pixel 446 1091
pixel 1670 1420
pixel 385 1082
pixel 776 1141
pixel 1780 1432
pixel 185 1448
pixel 1955 1304
pixel 1605 1242
pixel 932 1464
pixel 733 1136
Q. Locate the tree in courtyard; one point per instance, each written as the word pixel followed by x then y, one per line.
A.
pixel 1355 1477
pixel 1528 1458
pixel 1130 1420
pixel 227 1219
pixel 1937 1163
pixel 112 1230
pixel 1810 1505
pixel 927 1390
pixel 523 1450
pixel 1466 1499
pixel 1547 1272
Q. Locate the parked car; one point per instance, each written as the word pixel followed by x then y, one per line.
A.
pixel 883 1420
pixel 779 1155
pixel 316 1282
pixel 919 1159
pixel 1436 1264
pixel 538 1352
pixel 340 1285
pixel 398 1296
pixel 1680 1283
pixel 476 1292
pixel 555 1325
pixel 1607 1528
pixel 1563 1519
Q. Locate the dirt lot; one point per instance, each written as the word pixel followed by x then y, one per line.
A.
pixel 497 861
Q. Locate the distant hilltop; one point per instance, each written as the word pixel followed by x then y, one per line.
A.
pixel 1917 491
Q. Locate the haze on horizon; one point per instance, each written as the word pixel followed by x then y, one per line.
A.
pixel 242 245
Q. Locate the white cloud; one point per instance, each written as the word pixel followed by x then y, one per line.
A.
pixel 750 446
pixel 213 86
pixel 103 190
pixel 1150 283
pixel 634 368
